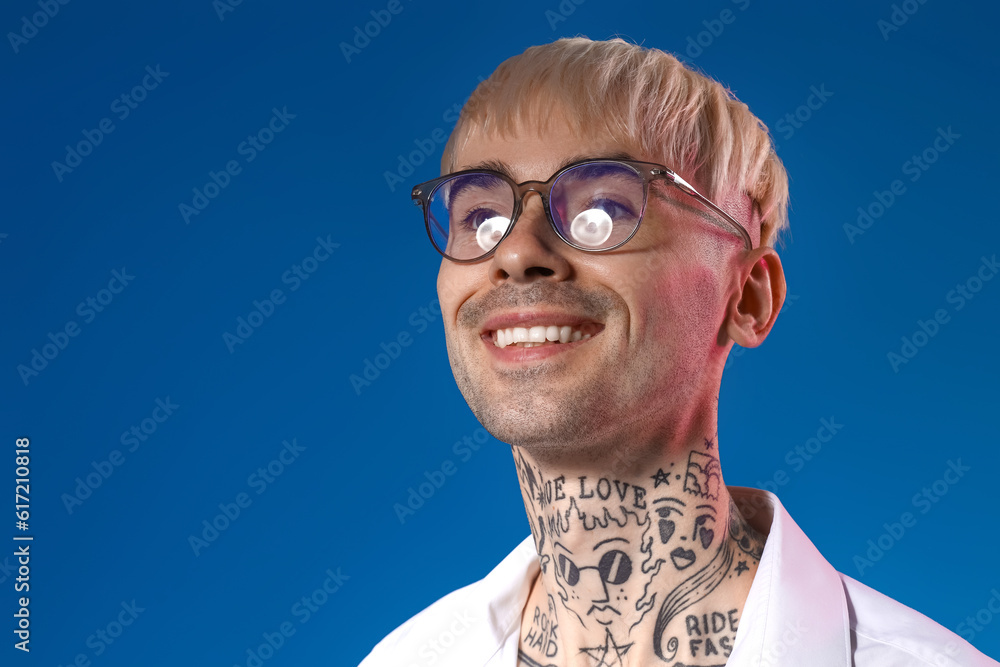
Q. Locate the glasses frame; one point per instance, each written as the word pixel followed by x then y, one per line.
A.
pixel 649 172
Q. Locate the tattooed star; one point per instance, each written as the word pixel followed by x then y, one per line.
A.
pixel 610 651
pixel 708 443
pixel 659 477
pixel 741 567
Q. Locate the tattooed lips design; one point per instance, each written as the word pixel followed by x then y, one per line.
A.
pixel 606 607
pixel 682 558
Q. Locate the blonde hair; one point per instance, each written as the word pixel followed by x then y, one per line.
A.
pixel 644 98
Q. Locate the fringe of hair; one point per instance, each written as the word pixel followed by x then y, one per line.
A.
pixel 643 98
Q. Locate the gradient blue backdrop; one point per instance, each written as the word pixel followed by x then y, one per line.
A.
pixel 325 176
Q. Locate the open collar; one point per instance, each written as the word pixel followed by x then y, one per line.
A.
pixel 796 612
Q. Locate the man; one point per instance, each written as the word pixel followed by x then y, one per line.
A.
pixel 607 220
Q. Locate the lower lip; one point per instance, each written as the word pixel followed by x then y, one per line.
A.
pixel 604 615
pixel 514 354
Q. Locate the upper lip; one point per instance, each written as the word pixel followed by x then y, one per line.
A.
pixel 594 608
pixel 529 318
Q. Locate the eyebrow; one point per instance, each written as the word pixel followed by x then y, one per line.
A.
pixel 557 544
pixel 610 539
pixel 505 169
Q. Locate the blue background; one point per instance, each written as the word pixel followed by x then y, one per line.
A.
pixel 324 175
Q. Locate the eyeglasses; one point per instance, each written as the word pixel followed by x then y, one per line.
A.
pixel 593 205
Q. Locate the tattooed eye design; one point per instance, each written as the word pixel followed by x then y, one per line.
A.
pixel 569 571
pixel 615 567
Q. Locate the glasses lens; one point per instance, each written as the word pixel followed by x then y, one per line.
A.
pixel 597 206
pixel 468 215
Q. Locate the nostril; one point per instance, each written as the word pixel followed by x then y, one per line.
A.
pixel 539 271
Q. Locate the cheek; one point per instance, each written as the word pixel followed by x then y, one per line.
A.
pixel 681 307
pixel 453 288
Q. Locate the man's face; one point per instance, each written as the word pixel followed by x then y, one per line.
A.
pixel 654 309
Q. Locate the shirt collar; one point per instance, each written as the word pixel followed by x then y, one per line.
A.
pixel 796 612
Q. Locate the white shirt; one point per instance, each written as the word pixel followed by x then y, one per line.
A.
pixel 800 612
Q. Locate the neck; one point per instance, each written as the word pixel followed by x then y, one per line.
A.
pixel 643 561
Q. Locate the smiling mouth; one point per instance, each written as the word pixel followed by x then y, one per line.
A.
pixel 538 335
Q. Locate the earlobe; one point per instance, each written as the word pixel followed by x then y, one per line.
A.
pixel 754 308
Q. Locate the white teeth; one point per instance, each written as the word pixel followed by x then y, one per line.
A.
pixel 537 335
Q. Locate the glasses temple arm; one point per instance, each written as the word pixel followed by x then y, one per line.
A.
pixel 687 188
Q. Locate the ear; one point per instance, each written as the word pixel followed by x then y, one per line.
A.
pixel 754 308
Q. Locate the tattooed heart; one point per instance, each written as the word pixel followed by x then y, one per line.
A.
pixel 706 535
pixel 682 558
pixel 666 530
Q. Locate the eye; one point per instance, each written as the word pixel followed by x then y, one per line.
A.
pixel 489 230
pixel 593 226
pixel 617 210
pixel 615 567
pixel 477 216
pixel 568 570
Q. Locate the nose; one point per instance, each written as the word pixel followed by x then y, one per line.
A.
pixel 592 579
pixel 532 251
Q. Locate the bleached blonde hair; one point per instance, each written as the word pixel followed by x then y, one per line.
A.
pixel 644 98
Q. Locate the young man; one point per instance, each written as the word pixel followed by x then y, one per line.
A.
pixel 607 219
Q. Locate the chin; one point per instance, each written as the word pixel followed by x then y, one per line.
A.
pixel 540 426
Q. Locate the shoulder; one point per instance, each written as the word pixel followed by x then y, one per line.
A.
pixel 887 632
pixel 470 626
